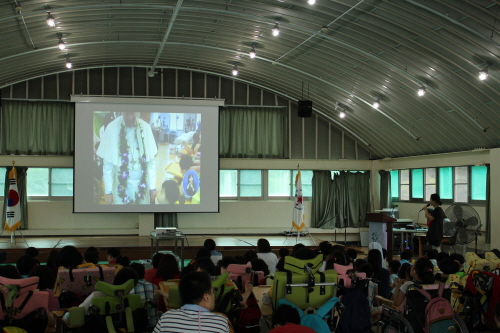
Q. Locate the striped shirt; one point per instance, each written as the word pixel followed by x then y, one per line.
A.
pixel 187 319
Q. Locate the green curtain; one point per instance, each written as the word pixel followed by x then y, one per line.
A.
pixel 23 195
pixel 166 220
pixel 385 189
pixel 37 128
pixel 253 132
pixel 342 202
pixel 488 207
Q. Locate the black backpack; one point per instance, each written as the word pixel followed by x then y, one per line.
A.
pixel 355 318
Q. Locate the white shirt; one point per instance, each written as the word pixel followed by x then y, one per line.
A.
pixel 270 259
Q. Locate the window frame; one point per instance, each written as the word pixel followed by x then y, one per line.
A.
pixel 409 185
pixel 50 197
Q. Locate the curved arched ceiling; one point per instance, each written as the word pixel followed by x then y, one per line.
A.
pixel 350 52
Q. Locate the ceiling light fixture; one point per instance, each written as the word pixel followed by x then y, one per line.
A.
pixel 483 74
pixel 68 62
pixel 376 104
pixel 311 2
pixel 61 45
pixel 235 70
pixel 421 91
pixel 252 53
pixel 276 29
pixel 342 114
pixel 51 22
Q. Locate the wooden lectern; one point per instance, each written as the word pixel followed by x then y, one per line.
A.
pixel 383 218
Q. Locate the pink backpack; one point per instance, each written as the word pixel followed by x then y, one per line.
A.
pixel 343 276
pixel 438 313
pixel 241 274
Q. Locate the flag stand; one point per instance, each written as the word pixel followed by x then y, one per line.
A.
pixel 298 235
pixel 13 237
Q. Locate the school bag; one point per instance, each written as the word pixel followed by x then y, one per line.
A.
pixel 242 274
pixel 315 320
pixel 355 318
pixel 438 313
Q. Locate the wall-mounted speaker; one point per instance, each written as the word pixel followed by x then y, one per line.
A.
pixel 305 108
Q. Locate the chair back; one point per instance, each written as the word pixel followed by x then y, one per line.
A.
pixel 165 286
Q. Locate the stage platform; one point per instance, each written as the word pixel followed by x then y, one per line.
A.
pixel 139 247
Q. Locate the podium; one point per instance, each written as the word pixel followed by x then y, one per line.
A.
pixel 381 230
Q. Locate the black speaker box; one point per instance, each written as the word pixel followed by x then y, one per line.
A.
pixel 305 108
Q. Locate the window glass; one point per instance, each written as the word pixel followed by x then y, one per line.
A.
pixel 430 182
pixel 395 183
pixel 446 183
pixel 478 183
pixel 405 184
pixel 307 177
pixel 417 183
pixel 2 181
pixel 461 175
pixel 278 183
pixel 61 182
pixel 38 182
pixel 250 183
pixel 228 180
pixel 461 193
pixel 461 184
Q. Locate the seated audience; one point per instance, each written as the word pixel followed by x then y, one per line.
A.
pixel 249 256
pixel 203 252
pixel 123 260
pixel 458 258
pixel 112 254
pixel 33 252
pixel 52 261
pixel 405 272
pixel 441 256
pixel 198 299
pixel 91 255
pixel 447 267
pixel 283 252
pixel 168 268
pixel 297 247
pixel 69 257
pixel 358 263
pixel 260 265
pixel 394 266
pixel 406 256
pixel 375 308
pixel 206 265
pixel 150 274
pixel 224 262
pixel 240 260
pixel 337 257
pixel 46 283
pixel 380 273
pixel 264 253
pixel 422 272
pixel 432 256
pixel 147 292
pixel 25 265
pixel 214 255
pixel 10 272
pixel 352 254
pixel 287 320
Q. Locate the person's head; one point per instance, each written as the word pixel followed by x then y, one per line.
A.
pixel 366 268
pixel 129 118
pixel 458 258
pixel 25 264
pixel 186 270
pixel 338 247
pixel 407 255
pixel 285 314
pixel 10 272
pixel 69 257
pixel 32 251
pixel 305 254
pixel 263 246
pixel 435 200
pixel 209 244
pixel 394 266
pixel 139 268
pixel 423 271
pixel 123 260
pixel 125 274
pixel 449 266
pixel 352 254
pixel 441 256
pixel 284 252
pixel 91 255
pixel 405 272
pixel 203 252
pixel 156 259
pixel 337 257
pixel 432 254
pixel 46 278
pixel 196 288
pixel 297 247
pixel 169 193
pixel 168 267
pixel 375 259
pixel 224 262
pixel 52 261
pixel 186 162
pixel 240 260
pixel 113 253
pixel 249 256
pixel 325 248
pixel 205 265
pixel 260 265
pixel 358 263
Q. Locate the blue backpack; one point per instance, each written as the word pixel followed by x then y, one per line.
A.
pixel 316 321
pixel 355 318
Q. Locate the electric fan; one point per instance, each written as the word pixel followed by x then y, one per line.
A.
pixel 463 225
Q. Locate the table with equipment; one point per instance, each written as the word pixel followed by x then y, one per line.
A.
pixel 407 236
pixel 157 237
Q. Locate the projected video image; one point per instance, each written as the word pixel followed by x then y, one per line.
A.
pixel 146 158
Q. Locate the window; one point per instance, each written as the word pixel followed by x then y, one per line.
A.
pixel 306 177
pixel 446 183
pixel 478 183
pixel 2 183
pixel 404 186
pixel 417 183
pixel 228 183
pixel 38 182
pixel 395 185
pixel 430 183
pixel 250 183
pixel 461 184
pixel 278 183
pixel 61 184
pixel 49 182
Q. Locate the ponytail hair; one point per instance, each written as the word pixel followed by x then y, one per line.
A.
pixel 437 198
pixel 425 271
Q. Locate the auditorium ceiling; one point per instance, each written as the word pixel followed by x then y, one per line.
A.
pixel 342 55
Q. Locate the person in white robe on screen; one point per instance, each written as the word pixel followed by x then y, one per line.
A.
pixel 128 149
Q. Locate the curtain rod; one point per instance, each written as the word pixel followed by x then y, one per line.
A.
pixel 36 100
pixel 255 106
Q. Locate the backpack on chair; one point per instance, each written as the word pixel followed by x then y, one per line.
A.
pixel 438 313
